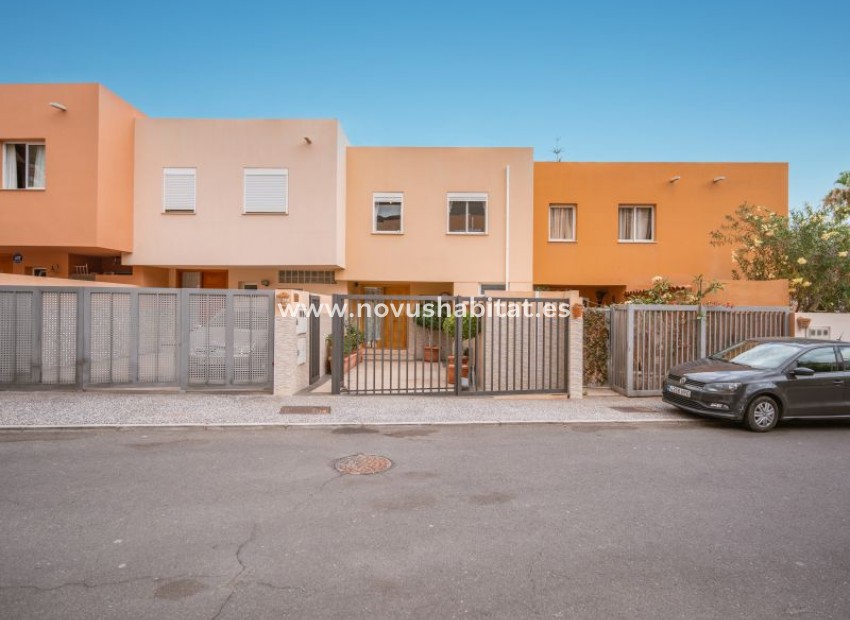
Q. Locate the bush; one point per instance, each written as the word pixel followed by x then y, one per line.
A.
pixel 469 326
pixel 595 347
pixel 430 315
pixel 352 339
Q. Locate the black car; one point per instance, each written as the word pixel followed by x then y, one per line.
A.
pixel 765 380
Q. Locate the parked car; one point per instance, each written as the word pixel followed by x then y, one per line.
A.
pixel 765 380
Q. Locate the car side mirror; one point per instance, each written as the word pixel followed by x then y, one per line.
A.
pixel 802 371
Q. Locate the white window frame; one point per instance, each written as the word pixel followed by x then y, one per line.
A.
pixel 246 172
pixel 468 196
pixel 26 164
pixel 572 208
pixel 393 196
pixel 633 207
pixel 184 171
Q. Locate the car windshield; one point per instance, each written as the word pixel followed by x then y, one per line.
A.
pixel 757 354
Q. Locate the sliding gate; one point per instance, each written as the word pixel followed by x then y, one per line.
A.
pixel 400 344
pixel 141 337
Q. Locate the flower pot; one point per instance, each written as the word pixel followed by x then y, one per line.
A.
pixel 803 322
pixel 431 354
pixel 450 373
pixel 465 358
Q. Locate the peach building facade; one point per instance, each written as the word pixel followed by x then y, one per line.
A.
pixel 605 228
pixel 433 220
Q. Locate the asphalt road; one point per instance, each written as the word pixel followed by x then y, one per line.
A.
pixel 578 521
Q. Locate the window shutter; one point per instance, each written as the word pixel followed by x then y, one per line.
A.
pixel 178 193
pixel 266 190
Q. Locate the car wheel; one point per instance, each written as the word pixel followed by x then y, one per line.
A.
pixel 762 414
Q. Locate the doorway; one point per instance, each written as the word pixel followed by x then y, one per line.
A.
pixel 389 332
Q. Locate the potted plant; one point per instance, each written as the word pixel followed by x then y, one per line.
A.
pixel 469 329
pixel 430 315
pixel 352 349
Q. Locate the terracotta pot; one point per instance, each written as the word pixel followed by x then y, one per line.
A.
pixel 431 354
pixel 803 322
pixel 451 359
pixel 450 373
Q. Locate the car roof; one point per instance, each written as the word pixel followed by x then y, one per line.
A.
pixel 803 342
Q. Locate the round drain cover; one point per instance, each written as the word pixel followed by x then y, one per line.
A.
pixel 362 464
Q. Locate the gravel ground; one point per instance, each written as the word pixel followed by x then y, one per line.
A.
pixel 54 408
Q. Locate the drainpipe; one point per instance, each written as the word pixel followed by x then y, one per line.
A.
pixel 507 228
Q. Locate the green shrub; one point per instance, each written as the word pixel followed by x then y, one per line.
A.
pixel 433 319
pixel 469 326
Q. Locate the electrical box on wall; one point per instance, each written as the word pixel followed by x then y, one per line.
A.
pixel 301 351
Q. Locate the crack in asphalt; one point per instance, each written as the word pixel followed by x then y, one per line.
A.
pixel 232 583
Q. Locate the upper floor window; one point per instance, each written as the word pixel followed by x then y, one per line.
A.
pixel 178 190
pixel 266 190
pixel 637 223
pixel 468 213
pixel 387 213
pixel 562 222
pixel 23 165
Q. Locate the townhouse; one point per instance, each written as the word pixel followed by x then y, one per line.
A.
pixel 94 189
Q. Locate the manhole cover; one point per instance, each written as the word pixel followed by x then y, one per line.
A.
pixel 362 464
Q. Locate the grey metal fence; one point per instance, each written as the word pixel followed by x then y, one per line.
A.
pixel 500 345
pixel 85 337
pixel 648 340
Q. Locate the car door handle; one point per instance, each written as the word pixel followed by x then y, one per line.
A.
pixel 838 382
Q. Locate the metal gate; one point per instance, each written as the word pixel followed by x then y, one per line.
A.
pixel 401 344
pixel 648 340
pixel 86 336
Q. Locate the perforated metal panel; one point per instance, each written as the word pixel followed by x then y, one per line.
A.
pixel 16 338
pixel 208 339
pixel 250 340
pixel 158 337
pixel 59 337
pixel 110 334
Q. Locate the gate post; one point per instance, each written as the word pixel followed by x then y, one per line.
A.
pixel 458 345
pixel 703 339
pixel 575 364
pixel 337 326
pixel 630 350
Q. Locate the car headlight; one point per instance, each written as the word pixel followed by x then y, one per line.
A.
pixel 724 388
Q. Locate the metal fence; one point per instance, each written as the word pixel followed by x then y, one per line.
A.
pixel 84 337
pixel 454 345
pixel 648 340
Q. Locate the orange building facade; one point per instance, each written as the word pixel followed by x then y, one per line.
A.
pixel 66 198
pixel 605 228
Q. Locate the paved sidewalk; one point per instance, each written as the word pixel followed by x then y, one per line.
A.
pixel 69 409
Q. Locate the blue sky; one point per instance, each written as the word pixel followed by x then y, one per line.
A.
pixel 616 81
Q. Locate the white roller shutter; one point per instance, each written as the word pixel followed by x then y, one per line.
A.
pixel 178 190
pixel 266 190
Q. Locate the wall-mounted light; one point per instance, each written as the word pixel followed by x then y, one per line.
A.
pixel 718 179
pixel 58 106
pixel 265 282
pixel 308 140
pixel 675 179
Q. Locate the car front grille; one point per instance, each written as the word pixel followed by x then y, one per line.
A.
pixel 683 401
pixel 689 383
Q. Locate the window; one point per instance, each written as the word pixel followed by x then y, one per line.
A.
pixel 819 360
pixel 299 276
pixel 23 165
pixel 468 214
pixel 562 223
pixel 178 190
pixel 266 190
pixel 387 213
pixel 845 357
pixel 637 223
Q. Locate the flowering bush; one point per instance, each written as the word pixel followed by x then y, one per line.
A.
pixel 662 292
pixel 809 248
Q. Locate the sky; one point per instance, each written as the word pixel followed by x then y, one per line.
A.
pixel 613 81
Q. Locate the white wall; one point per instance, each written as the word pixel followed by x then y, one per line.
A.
pixel 838 325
